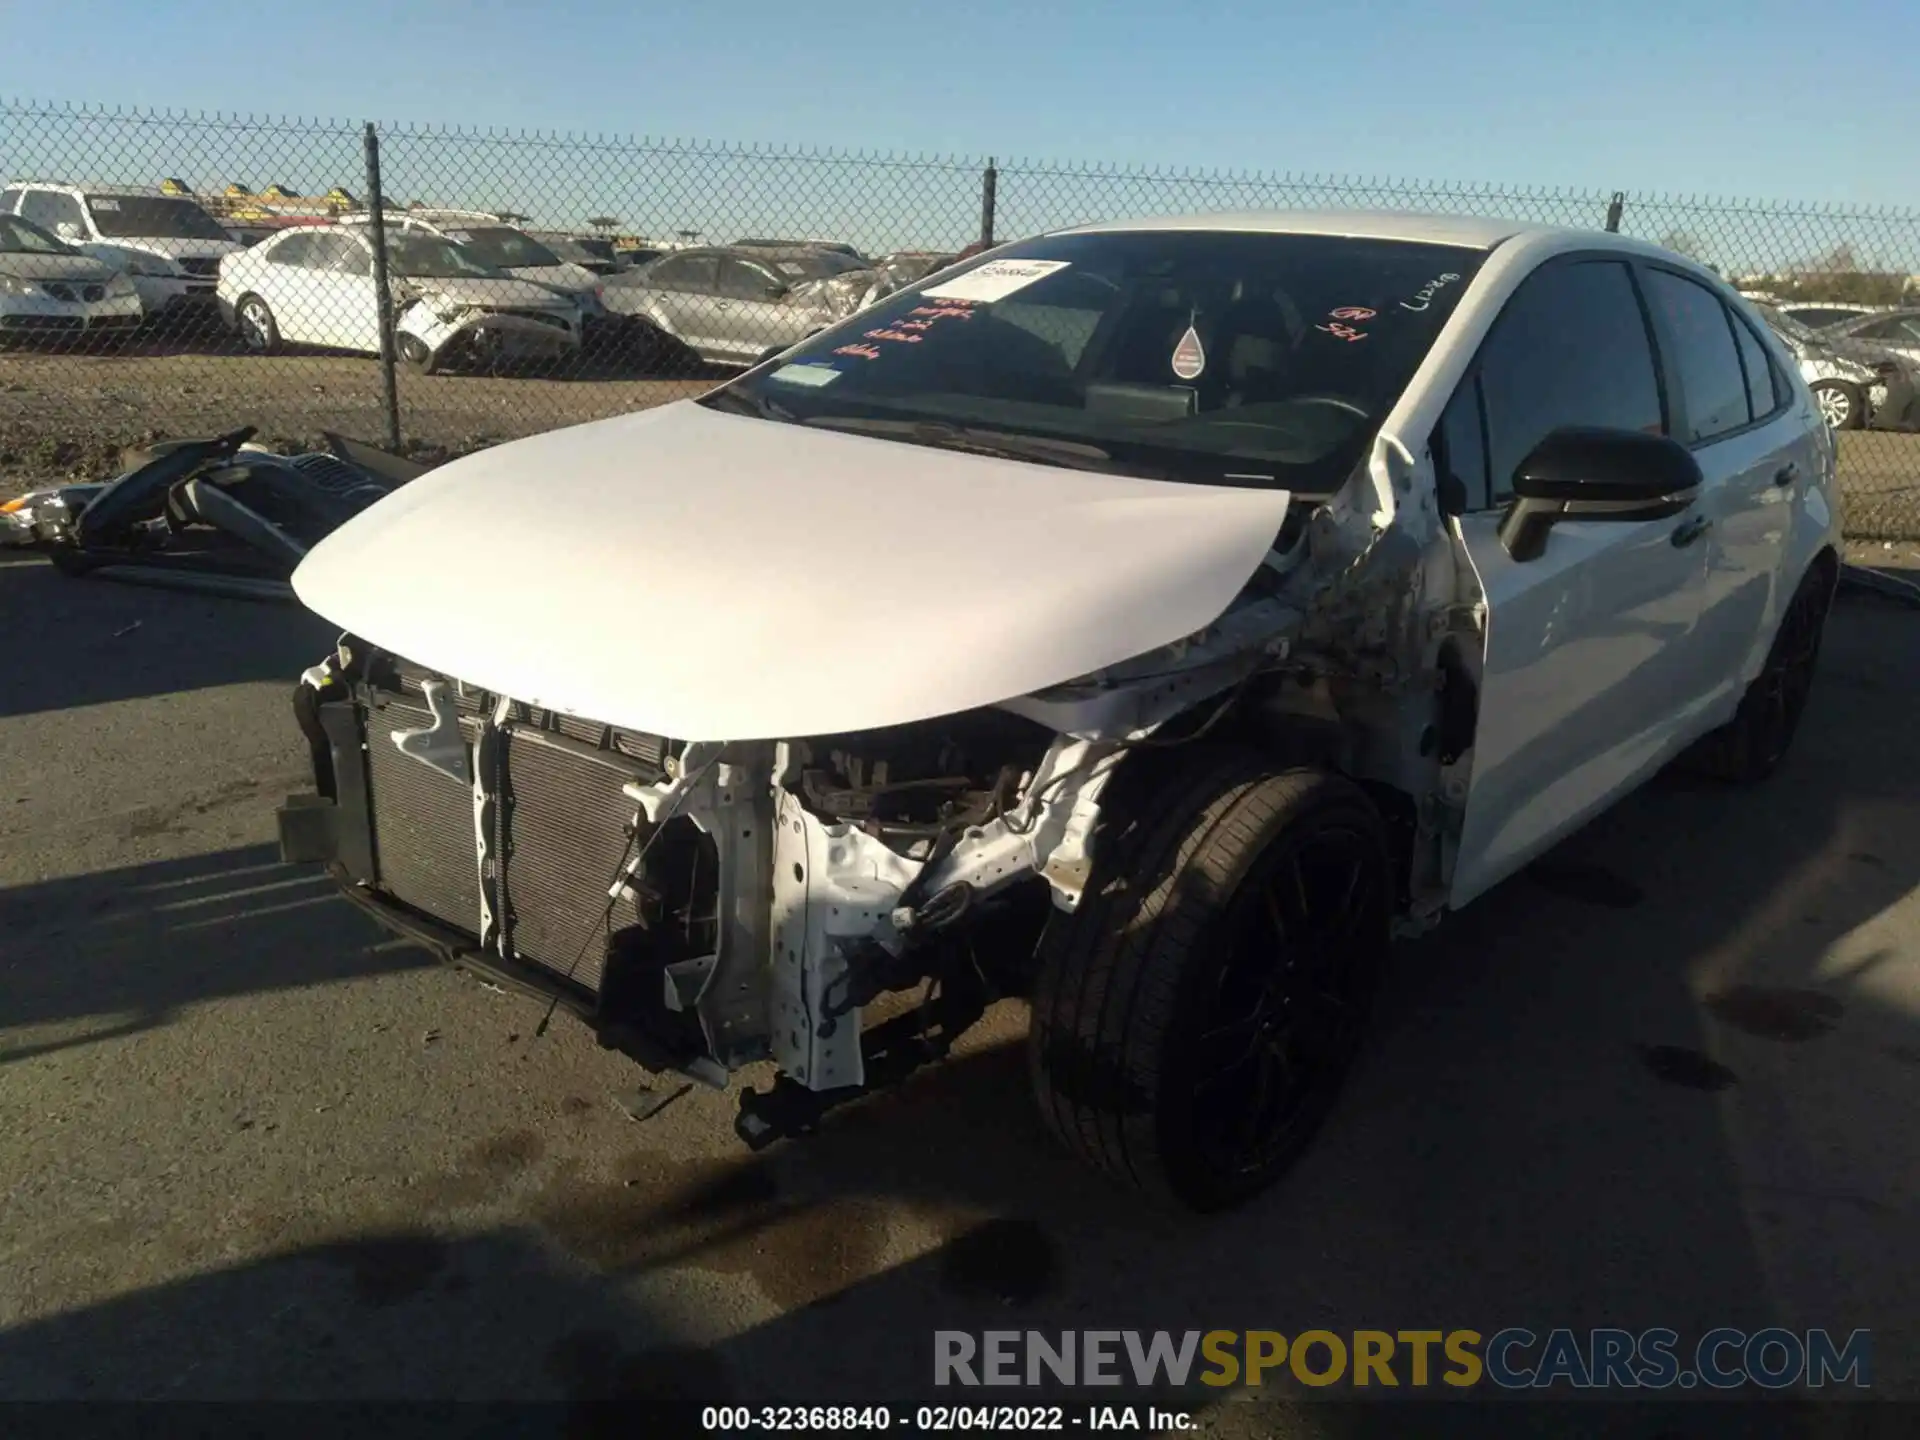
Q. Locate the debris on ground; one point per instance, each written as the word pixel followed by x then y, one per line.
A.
pixel 222 516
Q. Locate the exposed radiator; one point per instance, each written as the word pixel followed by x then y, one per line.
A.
pixel 422 824
pixel 567 826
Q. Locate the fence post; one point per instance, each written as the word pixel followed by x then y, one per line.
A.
pixel 989 188
pixel 1614 207
pixel 377 200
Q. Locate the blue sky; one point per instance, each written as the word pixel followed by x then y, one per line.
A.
pixel 1758 98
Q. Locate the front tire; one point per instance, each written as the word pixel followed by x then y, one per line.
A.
pixel 1193 1021
pixel 416 355
pixel 1842 406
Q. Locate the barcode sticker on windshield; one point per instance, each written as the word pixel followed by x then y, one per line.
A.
pixel 805 375
pixel 995 280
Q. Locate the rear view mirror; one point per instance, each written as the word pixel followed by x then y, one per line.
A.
pixel 68 230
pixel 1593 473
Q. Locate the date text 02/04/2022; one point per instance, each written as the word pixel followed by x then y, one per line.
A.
pixel 940 1419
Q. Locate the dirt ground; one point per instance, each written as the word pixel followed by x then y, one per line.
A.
pixel 68 417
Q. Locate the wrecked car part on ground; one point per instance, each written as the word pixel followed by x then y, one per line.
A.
pixel 221 516
pixel 1195 647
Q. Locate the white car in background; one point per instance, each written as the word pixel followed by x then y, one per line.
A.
pixel 315 286
pixel 49 288
pixel 168 244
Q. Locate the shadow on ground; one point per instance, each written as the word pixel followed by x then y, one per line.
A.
pixel 91 641
pixel 1665 1078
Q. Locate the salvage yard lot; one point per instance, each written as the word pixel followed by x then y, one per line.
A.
pixel 251 1147
pixel 69 416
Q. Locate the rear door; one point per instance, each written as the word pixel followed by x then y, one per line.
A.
pixel 340 279
pixel 1592 671
pixel 286 283
pixel 1754 454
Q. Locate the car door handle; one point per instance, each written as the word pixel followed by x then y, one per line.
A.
pixel 723 304
pixel 1690 530
pixel 1786 475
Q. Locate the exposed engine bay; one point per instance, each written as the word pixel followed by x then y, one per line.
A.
pixel 704 906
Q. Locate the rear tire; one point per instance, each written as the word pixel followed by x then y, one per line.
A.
pixel 258 330
pixel 1193 1021
pixel 1750 747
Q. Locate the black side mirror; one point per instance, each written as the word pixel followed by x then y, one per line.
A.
pixel 1583 472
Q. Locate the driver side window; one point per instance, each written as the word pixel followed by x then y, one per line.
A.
pixel 1570 348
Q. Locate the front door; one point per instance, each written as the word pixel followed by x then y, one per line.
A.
pixel 1592 674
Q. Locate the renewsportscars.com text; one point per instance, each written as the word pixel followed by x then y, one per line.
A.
pixel 1514 1358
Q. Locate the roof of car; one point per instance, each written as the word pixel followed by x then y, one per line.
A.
pixel 1478 232
pixel 151 192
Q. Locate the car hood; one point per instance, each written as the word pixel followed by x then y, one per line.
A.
pixel 83 268
pixel 493 294
pixel 717 577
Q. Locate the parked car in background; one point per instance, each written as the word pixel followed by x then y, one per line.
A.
pixel 168 244
pixel 47 287
pixel 735 305
pixel 1846 389
pixel 1149 619
pixel 316 286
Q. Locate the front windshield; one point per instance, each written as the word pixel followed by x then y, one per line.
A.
pixel 429 257
pixel 506 248
pixel 22 237
pixel 1231 358
pixel 152 216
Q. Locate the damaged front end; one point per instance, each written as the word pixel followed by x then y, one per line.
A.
pixel 705 906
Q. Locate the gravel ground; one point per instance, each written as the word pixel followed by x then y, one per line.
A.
pixel 69 416
pixel 250 1147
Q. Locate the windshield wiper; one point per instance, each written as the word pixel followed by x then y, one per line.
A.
pixel 746 402
pixel 1002 444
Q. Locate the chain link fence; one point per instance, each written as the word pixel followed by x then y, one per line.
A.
pixel 438 290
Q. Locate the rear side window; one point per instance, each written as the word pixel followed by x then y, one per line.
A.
pixel 1703 354
pixel 1570 348
pixel 1765 393
pixel 9 199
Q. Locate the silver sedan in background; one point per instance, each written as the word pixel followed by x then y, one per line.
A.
pixel 735 305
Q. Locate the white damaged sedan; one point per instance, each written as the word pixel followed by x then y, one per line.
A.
pixel 1149 619
pixel 315 285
